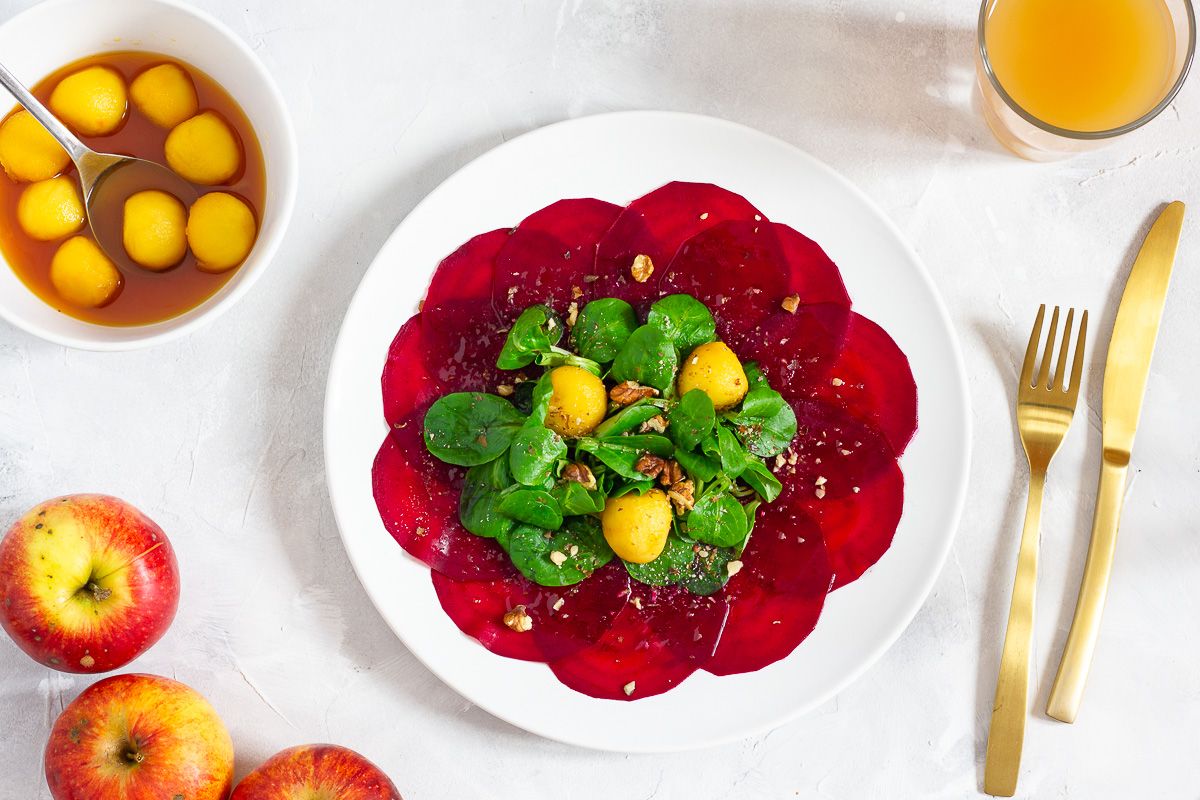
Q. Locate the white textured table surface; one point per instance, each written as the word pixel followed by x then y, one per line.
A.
pixel 218 437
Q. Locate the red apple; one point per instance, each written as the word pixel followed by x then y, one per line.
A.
pixel 87 583
pixel 324 771
pixel 139 737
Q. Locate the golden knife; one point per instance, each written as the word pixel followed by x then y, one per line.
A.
pixel 1125 374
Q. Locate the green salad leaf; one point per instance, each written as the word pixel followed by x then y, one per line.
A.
pixel 669 568
pixel 531 506
pixel 628 418
pixel 533 454
pixel 603 327
pixel 717 519
pixel 684 319
pixel 573 499
pixel 469 428
pixel 579 545
pixel 709 570
pixel 648 358
pixel 760 478
pixel 535 332
pixel 477 503
pixel 766 422
pixel 691 419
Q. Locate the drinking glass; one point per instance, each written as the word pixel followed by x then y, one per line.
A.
pixel 1033 138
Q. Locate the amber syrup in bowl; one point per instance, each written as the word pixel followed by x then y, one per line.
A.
pixel 145 297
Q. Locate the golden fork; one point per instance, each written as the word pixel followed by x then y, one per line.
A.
pixel 1044 411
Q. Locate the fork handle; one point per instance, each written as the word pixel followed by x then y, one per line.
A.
pixel 1006 735
pixel 1067 691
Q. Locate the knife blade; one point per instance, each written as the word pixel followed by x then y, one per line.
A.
pixel 1125 372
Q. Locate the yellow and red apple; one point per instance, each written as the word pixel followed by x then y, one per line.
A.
pixel 87 583
pixel 139 737
pixel 324 771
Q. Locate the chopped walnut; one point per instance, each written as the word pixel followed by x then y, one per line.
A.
pixel 581 474
pixel 559 603
pixel 558 557
pixel 518 620
pixel 791 303
pixel 819 492
pixel 628 392
pixel 820 481
pixel 642 268
pixel 671 474
pixel 504 390
pixel 629 687
pixel 837 381
pixel 733 568
pixel 682 495
pixel 576 292
pixel 572 314
pixel 651 465
pixel 637 603
pixel 656 424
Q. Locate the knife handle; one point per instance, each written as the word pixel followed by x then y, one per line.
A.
pixel 1067 691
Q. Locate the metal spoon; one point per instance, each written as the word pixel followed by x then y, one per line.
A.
pixel 107 179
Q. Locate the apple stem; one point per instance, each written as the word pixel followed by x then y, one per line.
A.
pixel 101 595
pixel 135 756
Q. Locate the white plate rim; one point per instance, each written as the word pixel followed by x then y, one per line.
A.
pixel 359 535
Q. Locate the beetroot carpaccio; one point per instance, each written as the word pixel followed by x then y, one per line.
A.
pixel 777 299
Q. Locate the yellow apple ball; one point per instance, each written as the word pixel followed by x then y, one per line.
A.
pixel 28 151
pixel 50 209
pixel 714 369
pixel 92 100
pixel 636 526
pixel 165 94
pixel 204 150
pixel 577 401
pixel 82 274
pixel 154 229
pixel 220 231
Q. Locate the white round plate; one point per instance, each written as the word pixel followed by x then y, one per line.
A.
pixel 618 157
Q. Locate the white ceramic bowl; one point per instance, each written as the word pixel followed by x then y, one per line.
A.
pixel 54 33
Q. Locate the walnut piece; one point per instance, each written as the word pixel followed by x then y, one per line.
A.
pixel 642 268
pixel 791 303
pixel 682 495
pixel 581 474
pixel 572 315
pixel 628 392
pixel 504 390
pixel 518 620
pixel 558 557
pixel 672 473
pixel 650 464
pixel 656 424
pixel 733 568
pixel 629 687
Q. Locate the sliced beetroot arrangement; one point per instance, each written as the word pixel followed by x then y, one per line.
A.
pixel 467 272
pixel 550 256
pixel 812 277
pixel 737 269
pixel 407 384
pixel 662 636
pixel 655 225
pixel 777 596
pixel 849 385
pixel 417 497
pixel 561 620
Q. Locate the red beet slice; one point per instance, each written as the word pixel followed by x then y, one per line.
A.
pixel 834 453
pixel 467 272
pixel 737 269
pixel 462 340
pixel 796 350
pixel 859 528
pixel 655 225
pixel 548 256
pixel 587 610
pixel 813 275
pixel 407 384
pixel 654 647
pixel 871 378
pixel 777 597
pixel 420 509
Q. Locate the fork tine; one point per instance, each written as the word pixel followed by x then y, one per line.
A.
pixel 1059 381
pixel 1044 372
pixel 1031 351
pixel 1077 366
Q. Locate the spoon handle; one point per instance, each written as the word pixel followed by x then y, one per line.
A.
pixel 75 148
